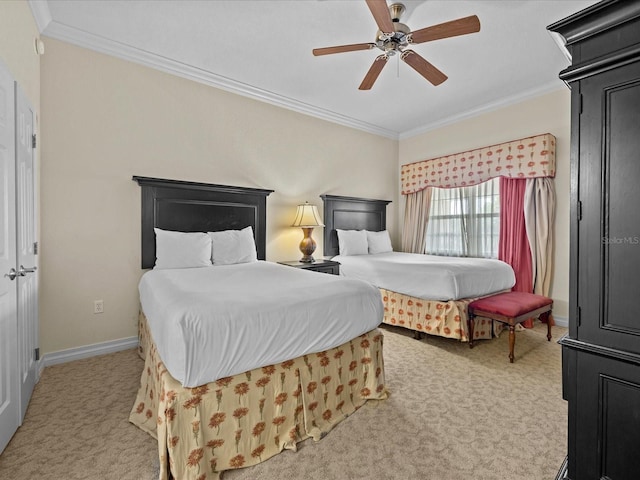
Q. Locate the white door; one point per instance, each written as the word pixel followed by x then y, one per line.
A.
pixel 9 392
pixel 26 248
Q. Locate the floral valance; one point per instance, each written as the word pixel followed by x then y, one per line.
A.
pixel 529 157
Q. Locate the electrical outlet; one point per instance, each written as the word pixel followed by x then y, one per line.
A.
pixel 98 306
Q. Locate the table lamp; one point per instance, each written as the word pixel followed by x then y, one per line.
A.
pixel 307 217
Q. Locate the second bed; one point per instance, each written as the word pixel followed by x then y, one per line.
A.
pixel 424 293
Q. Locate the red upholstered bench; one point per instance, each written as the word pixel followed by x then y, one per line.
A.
pixel 510 308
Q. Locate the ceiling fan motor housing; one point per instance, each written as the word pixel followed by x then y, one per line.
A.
pixel 392 43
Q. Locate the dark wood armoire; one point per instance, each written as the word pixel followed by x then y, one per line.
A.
pixel 601 352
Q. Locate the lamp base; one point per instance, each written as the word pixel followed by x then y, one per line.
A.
pixel 307 246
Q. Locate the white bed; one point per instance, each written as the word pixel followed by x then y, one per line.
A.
pixel 427 294
pixel 430 294
pixel 429 276
pixel 213 322
pixel 315 352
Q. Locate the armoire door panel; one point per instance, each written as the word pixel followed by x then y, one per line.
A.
pixel 608 419
pixel 609 233
pixel 621 212
pixel 620 427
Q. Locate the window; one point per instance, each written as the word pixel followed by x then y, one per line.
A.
pixel 465 222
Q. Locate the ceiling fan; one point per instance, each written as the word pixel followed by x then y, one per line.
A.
pixel 394 37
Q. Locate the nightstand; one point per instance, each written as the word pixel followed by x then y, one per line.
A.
pixel 321 265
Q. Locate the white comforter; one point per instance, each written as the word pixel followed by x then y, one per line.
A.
pixel 213 322
pixel 429 276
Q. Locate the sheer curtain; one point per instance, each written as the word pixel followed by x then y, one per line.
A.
pixel 416 217
pixel 465 221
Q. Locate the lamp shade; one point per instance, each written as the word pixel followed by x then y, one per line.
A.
pixel 307 216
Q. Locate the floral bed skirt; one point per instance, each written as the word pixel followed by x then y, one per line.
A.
pixel 245 419
pixel 444 319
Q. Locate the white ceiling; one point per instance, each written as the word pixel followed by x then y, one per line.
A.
pixel 262 49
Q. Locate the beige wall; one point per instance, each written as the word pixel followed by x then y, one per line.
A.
pixel 548 113
pixel 105 120
pixel 18 32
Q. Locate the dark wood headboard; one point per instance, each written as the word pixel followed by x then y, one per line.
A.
pixel 351 213
pixel 199 207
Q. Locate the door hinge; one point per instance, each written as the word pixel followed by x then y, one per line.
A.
pixel 579 316
pixel 35 248
pixel 579 210
pixel 37 354
pixel 33 141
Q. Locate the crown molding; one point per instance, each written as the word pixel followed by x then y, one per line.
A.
pixel 560 43
pixel 41 13
pixel 59 31
pixel 486 108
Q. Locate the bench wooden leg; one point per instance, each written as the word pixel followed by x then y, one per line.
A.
pixel 545 318
pixel 512 341
pixel 471 323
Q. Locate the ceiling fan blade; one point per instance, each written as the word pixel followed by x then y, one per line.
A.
pixel 423 67
pixel 374 71
pixel 343 48
pixel 381 15
pixel 461 26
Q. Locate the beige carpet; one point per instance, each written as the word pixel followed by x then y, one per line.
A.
pixel 453 413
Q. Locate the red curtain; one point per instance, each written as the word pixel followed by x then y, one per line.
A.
pixel 513 247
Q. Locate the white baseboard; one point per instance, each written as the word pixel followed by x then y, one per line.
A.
pixel 561 321
pixel 87 351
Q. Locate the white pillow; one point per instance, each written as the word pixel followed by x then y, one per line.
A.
pixel 352 242
pixel 233 246
pixel 182 249
pixel 379 242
